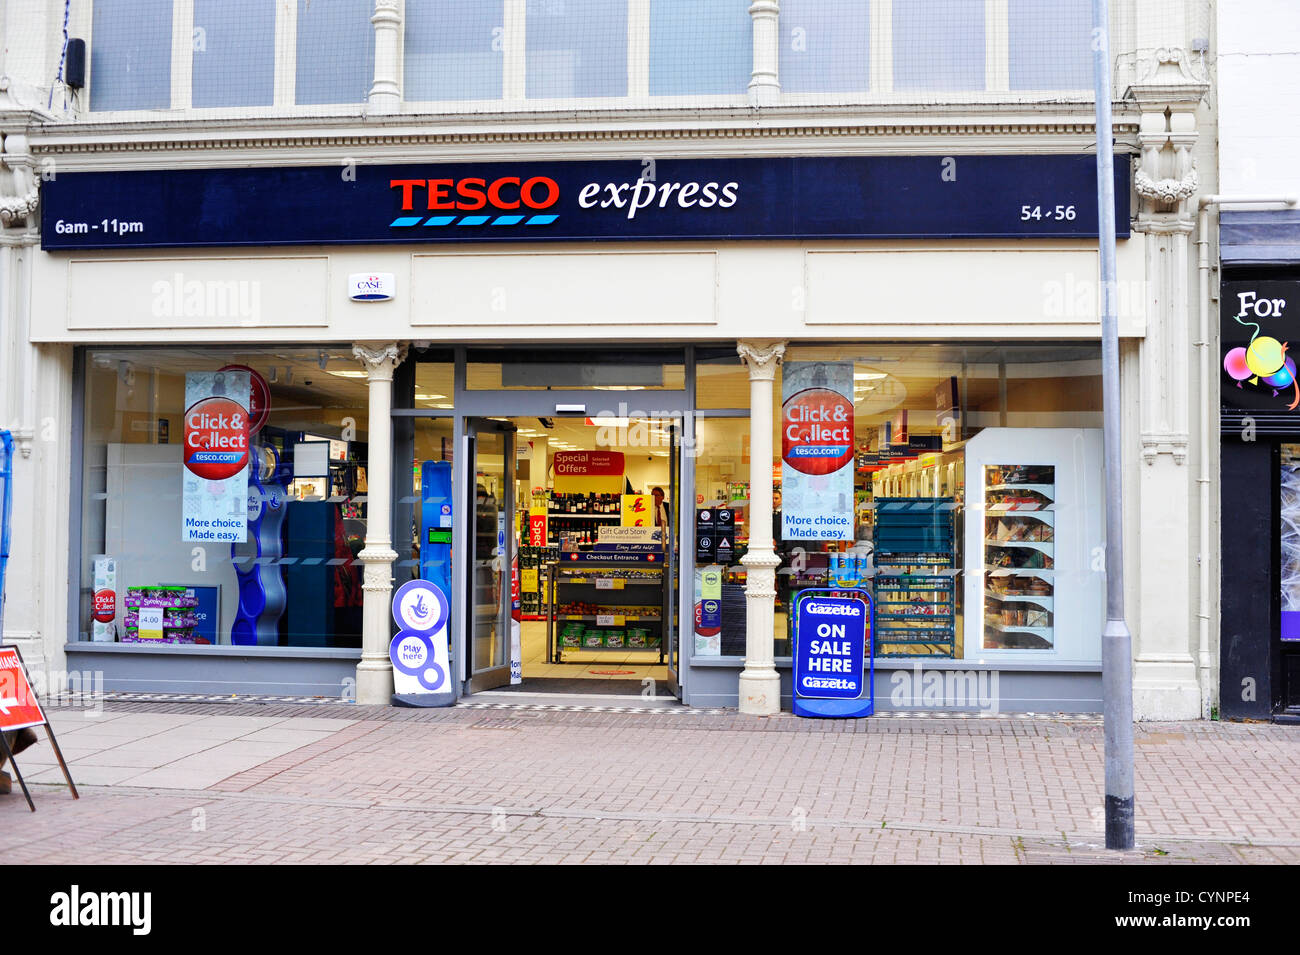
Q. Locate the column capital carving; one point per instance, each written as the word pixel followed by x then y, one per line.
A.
pixel 1166 74
pixel 379 358
pixel 386 12
pixel 1168 90
pixel 1164 223
pixel 1156 443
pixel 762 357
pixel 18 194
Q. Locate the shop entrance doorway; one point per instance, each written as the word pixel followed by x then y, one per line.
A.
pixel 572 569
pixel 489 508
pixel 567 484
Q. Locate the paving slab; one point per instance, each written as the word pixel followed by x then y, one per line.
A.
pixel 606 783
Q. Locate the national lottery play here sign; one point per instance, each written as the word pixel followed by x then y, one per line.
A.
pixel 833 674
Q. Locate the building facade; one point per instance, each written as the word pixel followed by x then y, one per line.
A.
pixel 1250 303
pixel 304 301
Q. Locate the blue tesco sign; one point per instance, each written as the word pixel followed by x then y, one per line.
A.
pixel 833 672
pixel 778 197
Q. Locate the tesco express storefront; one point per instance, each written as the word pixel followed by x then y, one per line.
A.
pixel 417 346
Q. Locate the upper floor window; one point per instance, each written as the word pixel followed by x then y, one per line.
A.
pixel 939 45
pixel 131 54
pixel 700 47
pixel 1050 44
pixel 454 49
pixel 182 54
pixel 935 46
pixel 234 53
pixel 825 47
pixel 335 62
pixel 576 48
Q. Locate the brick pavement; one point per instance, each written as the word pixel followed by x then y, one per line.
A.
pixel 521 784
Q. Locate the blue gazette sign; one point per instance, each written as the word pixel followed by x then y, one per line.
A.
pixel 832 676
pixel 838 197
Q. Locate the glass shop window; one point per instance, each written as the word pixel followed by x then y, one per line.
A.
pixel 224 497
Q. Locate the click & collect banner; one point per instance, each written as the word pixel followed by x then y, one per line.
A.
pixel 817 451
pixel 215 457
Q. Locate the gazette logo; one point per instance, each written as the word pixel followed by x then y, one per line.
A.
pixel 129 909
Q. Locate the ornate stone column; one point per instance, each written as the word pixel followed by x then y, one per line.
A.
pixel 764 82
pixel 375 672
pixel 1165 684
pixel 386 91
pixel 30 396
pixel 760 684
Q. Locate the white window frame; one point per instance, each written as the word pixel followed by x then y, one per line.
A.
pixel 514 72
pixel 997 69
pixel 515 69
pixel 285 75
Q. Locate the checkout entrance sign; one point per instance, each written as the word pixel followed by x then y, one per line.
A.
pixel 833 669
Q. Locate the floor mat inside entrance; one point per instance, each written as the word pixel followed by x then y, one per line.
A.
pixel 611 687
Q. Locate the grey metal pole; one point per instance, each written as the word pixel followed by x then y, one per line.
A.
pixel 1116 642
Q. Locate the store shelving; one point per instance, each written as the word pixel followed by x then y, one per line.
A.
pixel 915 584
pixel 628 600
pixel 1019 540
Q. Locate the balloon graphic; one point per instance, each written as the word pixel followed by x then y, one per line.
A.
pixel 1283 376
pixel 1234 363
pixel 1264 356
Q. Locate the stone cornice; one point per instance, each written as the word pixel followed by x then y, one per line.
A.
pixel 956 129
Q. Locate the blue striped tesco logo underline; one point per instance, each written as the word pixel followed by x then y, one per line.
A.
pixel 404 222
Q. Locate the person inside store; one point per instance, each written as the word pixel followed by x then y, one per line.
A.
pixel 661 509
pixel 18 741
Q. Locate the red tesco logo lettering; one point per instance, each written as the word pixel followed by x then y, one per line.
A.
pixel 472 193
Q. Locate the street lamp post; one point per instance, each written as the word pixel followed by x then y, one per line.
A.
pixel 1116 641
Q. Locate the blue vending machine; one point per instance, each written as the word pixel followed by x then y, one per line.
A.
pixel 435 524
pixel 422 668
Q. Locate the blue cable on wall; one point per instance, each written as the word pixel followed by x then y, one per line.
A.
pixel 63 55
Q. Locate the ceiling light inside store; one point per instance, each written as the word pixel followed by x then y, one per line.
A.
pixel 348 374
pixel 420 397
pixel 869 375
pixel 608 422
